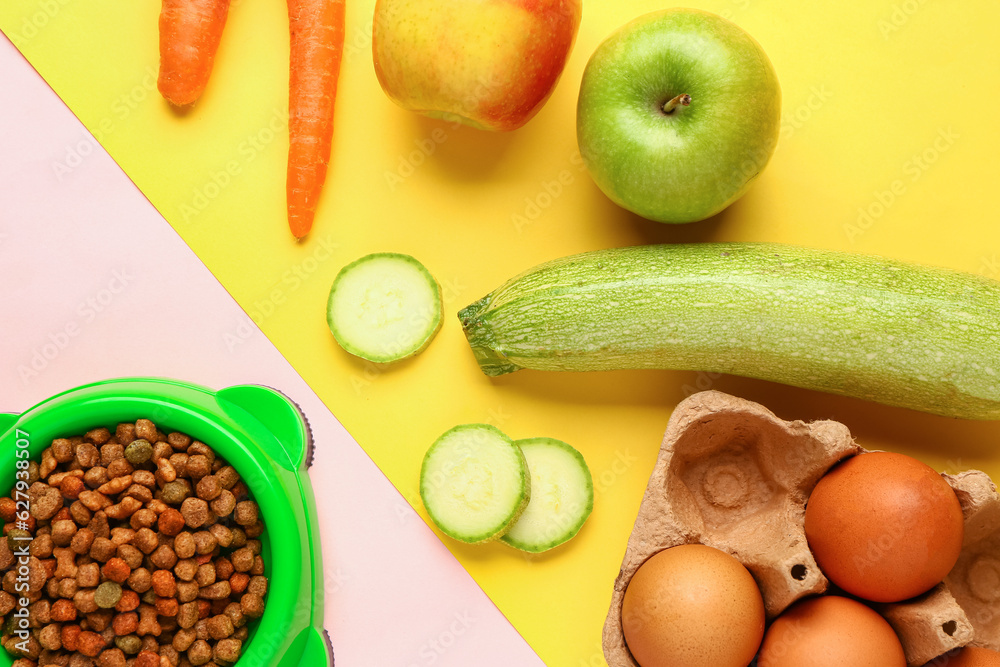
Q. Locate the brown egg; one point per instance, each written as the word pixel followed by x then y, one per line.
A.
pixel 884 527
pixel 692 606
pixel 968 657
pixel 831 631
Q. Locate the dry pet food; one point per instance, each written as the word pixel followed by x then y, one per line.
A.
pixel 131 548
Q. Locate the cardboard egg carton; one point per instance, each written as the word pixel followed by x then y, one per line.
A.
pixel 733 476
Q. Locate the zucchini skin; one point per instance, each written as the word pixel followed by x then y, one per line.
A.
pixel 863 326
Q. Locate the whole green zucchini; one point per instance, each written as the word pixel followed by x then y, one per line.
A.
pixel 911 336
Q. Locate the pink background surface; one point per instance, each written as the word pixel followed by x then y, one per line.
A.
pixel 95 284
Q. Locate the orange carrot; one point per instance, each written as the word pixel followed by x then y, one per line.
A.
pixel 317 47
pixel 189 37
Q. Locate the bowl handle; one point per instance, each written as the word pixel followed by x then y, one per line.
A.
pixel 274 412
pixel 7 419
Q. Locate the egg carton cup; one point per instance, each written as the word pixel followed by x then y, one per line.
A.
pixel 732 475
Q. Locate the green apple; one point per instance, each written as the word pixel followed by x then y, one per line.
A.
pixel 489 63
pixel 679 111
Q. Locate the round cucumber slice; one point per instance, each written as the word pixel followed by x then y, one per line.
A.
pixel 474 483
pixel 384 307
pixel 562 496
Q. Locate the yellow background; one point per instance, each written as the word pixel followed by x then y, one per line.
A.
pixel 868 88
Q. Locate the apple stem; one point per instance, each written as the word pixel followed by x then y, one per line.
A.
pixel 680 100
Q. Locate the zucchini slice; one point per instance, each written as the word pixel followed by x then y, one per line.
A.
pixel 562 496
pixel 384 307
pixel 474 483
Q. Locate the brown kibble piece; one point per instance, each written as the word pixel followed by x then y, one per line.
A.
pixel 140 580
pixel 183 639
pixel 141 493
pixel 69 636
pixel 197 466
pixel 88 575
pixel 84 601
pixel 171 522
pixel 115 485
pixel 165 471
pixel 144 477
pixel 90 644
pixel 224 504
pixel 143 518
pixel 167 606
pixel 145 540
pixel 187 591
pixel 112 657
pixel 242 559
pixel 50 637
pixel 67 587
pixel 227 651
pixel 205 575
pixel 246 513
pixel 148 625
pixel 44 501
pixel 216 591
pixel 187 614
pixel 132 556
pixel 220 627
pixel 227 477
pixel 145 429
pixel 96 476
pixel 87 455
pixel 199 653
pixel 148 659
pixel 63 532
pixel 102 549
pixel 235 613
pixel 93 500
pixel 239 582
pixel 62 611
pixel 208 487
pixel 7 603
pixel 258 586
pixel 128 602
pixel 186 569
pixel 184 545
pixel 79 512
pixel 124 509
pixel 120 468
pixel 99 524
pixel 97 436
pixel 41 547
pixel 125 624
pixel 179 441
pixel 205 542
pixel 82 541
pixel 8 510
pixel 164 557
pixel 223 567
pixel 195 512
pixel 111 451
pixel 117 570
pixel 223 535
pixel 201 449
pixel 164 583
pixel 62 450
pixel 125 433
pixel 70 487
pixel 252 605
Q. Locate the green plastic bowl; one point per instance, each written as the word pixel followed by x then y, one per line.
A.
pixel 264 436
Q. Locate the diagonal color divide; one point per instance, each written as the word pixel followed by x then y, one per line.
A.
pixel 478 208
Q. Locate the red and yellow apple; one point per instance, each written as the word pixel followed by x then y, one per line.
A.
pixel 490 64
